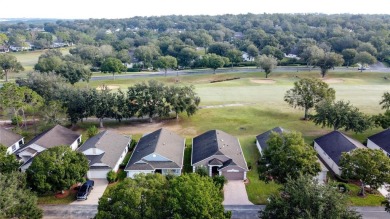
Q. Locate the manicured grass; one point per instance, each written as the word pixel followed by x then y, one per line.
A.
pixel 258 191
pixel 368 200
pixel 187 168
pixel 45 200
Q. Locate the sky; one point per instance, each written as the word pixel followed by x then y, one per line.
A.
pixel 84 9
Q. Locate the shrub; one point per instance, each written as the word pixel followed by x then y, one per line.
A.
pixel 16 120
pixel 92 131
pixel 111 176
pixel 121 175
pixel 249 165
pixel 219 181
pixel 202 171
pixel 132 145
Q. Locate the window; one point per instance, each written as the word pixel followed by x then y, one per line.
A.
pixel 13 148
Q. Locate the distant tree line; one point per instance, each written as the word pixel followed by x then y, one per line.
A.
pixel 149 99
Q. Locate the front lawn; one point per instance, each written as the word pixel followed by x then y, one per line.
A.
pixel 52 200
pixel 368 200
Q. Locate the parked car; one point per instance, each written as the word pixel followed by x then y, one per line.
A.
pixel 85 189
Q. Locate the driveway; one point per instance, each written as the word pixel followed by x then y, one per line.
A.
pixel 96 193
pixel 235 193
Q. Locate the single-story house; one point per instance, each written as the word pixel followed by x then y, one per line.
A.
pixel 56 136
pixel 220 153
pixel 11 140
pixel 161 151
pixel 261 140
pixel 331 146
pixel 380 141
pixel 105 152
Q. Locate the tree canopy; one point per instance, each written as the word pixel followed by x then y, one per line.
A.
pixel 307 93
pixel 328 61
pixel 341 115
pixel 8 162
pixel 268 63
pixel 17 201
pixel 112 65
pixel 142 196
pixel 55 169
pixel 305 198
pixel 371 167
pixel 9 63
pixel 287 157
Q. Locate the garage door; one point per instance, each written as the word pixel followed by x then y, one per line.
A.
pixel 97 174
pixel 233 175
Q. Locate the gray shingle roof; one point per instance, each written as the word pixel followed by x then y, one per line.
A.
pixel 111 143
pixel 162 142
pixel 58 135
pixel 216 142
pixel 335 143
pixel 8 138
pixel 382 139
pixel 263 138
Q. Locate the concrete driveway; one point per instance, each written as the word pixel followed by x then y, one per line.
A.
pixel 96 193
pixel 235 193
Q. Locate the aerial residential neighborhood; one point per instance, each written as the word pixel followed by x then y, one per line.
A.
pixel 155 109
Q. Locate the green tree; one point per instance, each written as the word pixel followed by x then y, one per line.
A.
pixel 385 102
pixel 3 38
pixel 56 169
pixel 213 61
pixel 267 63
pixel 146 54
pixel 148 99
pixel 235 56
pixel 48 64
pixel 112 65
pixel 166 62
pixel 52 113
pixel 349 56
pixel 367 47
pixel 307 93
pixel 8 64
pixel 312 55
pixel 104 104
pixel 371 167
pixel 189 187
pixel 364 58
pixel 187 56
pixel 182 99
pixel 287 157
pixel 252 51
pixel 8 162
pixel 137 198
pixel 73 72
pixel 92 131
pixel 219 48
pixel 329 61
pixel 305 198
pixel 382 120
pixel 17 201
pixel 341 115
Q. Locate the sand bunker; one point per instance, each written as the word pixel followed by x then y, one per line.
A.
pixel 111 87
pixel 333 80
pixel 263 81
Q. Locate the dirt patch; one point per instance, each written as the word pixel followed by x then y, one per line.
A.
pixel 333 80
pixel 263 81
pixel 111 87
pixel 147 127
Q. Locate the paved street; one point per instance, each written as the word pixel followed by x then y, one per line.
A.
pixel 69 211
pixel 251 211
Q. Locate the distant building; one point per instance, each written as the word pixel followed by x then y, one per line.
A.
pixel 291 56
pixel 4 49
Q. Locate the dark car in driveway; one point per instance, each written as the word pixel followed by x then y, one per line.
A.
pixel 85 189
